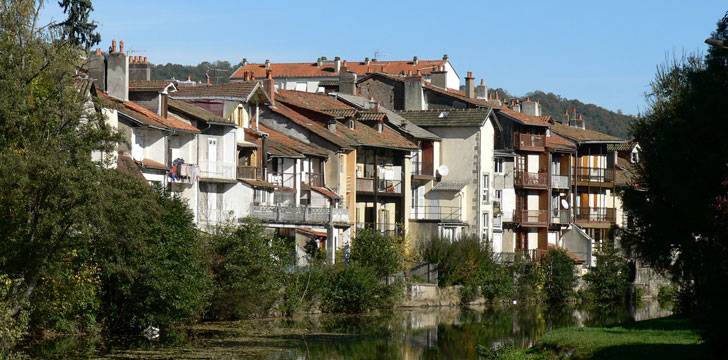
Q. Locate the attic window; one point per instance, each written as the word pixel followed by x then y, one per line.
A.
pixel 444 114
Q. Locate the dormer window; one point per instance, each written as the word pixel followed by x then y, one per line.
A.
pixel 352 124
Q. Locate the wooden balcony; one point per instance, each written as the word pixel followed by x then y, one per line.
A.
pixel 313 179
pixel 531 217
pixel 423 168
pixel 529 142
pixel 250 172
pixel 595 214
pixel 532 180
pixel 531 254
pixel 594 177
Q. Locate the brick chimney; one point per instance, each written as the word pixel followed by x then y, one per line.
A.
pixel 439 77
pixel 269 87
pixel 470 85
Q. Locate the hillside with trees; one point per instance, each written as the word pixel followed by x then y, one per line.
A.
pixel 219 71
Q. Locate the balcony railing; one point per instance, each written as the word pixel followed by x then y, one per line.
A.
pixel 299 214
pixel 389 229
pixel 313 179
pixel 250 172
pixel 594 175
pixel 211 218
pixel 497 222
pixel 531 254
pixel 442 213
pixel 595 214
pixel 531 217
pixel 525 141
pixel 389 186
pixel 560 182
pixel 217 170
pixel 282 179
pixel 560 217
pixel 364 184
pixel 507 216
pixel 423 168
pixel 532 179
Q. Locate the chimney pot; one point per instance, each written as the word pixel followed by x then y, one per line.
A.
pixel 482 82
pixel 267 63
pixel 470 74
pixel 496 95
pixel 528 99
pixel 580 118
pixel 444 57
pixel 415 61
pixel 121 46
pixel 245 61
pixel 145 59
pixel 574 110
pixel 189 78
pixel 98 51
pixel 113 45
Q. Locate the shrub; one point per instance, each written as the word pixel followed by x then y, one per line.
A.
pixel 609 279
pixel 371 248
pixel 560 279
pixel 529 280
pixel 12 329
pixel 352 289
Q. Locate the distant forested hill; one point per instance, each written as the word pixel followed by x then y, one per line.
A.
pixel 597 118
pixel 219 71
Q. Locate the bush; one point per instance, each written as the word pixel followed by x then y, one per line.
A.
pixel 249 268
pixel 371 248
pixel 12 329
pixel 352 289
pixel 529 279
pixel 609 279
pixel 560 279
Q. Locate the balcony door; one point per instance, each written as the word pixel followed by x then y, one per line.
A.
pixel 211 154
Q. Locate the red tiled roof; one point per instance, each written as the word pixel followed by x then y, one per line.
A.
pixel 311 125
pixel 577 259
pixel 325 192
pixel 281 145
pixel 145 116
pixel 126 164
pixel 328 70
pixel 526 119
pixel 316 102
pixel 313 232
pixel 148 85
pixel 239 89
pixel 152 164
pixel 259 183
pixel 577 134
pixel 555 141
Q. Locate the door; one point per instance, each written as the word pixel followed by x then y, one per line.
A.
pixel 497 242
pixel 211 155
pixel 212 215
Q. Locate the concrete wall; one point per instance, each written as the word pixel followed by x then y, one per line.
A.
pixel 147 99
pixel 117 75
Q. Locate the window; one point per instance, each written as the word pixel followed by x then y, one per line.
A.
pixel 486 221
pixel 486 188
pixel 498 168
pixel 498 195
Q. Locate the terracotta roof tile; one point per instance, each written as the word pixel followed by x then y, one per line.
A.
pixel 447 118
pixel 281 145
pixel 555 141
pixel 316 102
pixel 141 114
pixel 152 164
pixel 325 192
pixel 524 118
pixel 328 70
pixel 238 90
pixel 579 135
pixel 195 111
pixel 313 232
pixel 148 85
pixel 311 125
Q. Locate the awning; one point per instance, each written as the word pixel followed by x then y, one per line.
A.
pixel 243 143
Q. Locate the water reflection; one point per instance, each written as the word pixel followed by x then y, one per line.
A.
pixel 404 334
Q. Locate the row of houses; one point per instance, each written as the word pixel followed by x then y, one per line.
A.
pixel 317 151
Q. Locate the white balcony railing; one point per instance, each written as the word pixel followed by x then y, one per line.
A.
pixel 217 170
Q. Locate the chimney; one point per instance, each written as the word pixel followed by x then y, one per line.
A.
pixel 332 125
pixel 470 85
pixel 444 57
pixel 367 61
pixel 97 69
pixel 496 100
pixel 413 95
pixel 337 64
pixel 121 46
pixel 207 79
pixel 139 68
pixel 532 108
pixel 117 74
pixel 516 106
pixel 347 82
pixel 245 62
pixel 267 63
pixel 189 78
pixel 481 91
pixel 415 61
pixel 439 77
pixel 269 87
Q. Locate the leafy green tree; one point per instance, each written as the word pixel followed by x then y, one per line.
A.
pixel 370 248
pixel 678 210
pixel 609 279
pixel 560 278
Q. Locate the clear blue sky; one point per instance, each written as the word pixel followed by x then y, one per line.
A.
pixel 601 52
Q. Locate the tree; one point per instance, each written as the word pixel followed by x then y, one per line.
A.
pixel 560 278
pixel 370 248
pixel 677 209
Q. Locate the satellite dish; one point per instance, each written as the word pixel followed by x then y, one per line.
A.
pixel 443 170
pixel 564 204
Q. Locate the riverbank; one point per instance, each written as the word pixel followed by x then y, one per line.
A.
pixel 665 338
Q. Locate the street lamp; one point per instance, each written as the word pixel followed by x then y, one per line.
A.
pixel 716 42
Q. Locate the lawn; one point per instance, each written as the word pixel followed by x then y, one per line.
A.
pixel 666 338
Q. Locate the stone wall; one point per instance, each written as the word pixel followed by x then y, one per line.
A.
pixel 430 295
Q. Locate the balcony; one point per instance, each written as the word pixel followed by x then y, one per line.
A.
pixel 365 184
pixel 529 142
pixel 560 217
pixel 497 222
pixel 423 168
pixel 299 214
pixel 594 176
pixel 560 182
pixel 313 179
pixel 389 186
pixel 596 214
pixel 389 229
pixel 218 172
pixel 282 179
pixel 531 254
pixel 531 217
pixel 250 172
pixel 441 213
pixel 531 180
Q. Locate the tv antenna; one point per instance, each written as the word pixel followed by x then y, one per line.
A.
pixel 217 77
pixel 378 53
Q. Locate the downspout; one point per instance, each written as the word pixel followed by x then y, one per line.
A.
pixel 257 116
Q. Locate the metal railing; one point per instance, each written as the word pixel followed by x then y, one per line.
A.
pixel 389 186
pixel 594 174
pixel 595 214
pixel 560 182
pixel 529 140
pixel 423 168
pixel 282 179
pixel 531 179
pixel 531 217
pixel 560 216
pixel 389 229
pixel 299 214
pixel 448 213
pixel 250 172
pixel 531 254
pixel 364 184
pixel 217 170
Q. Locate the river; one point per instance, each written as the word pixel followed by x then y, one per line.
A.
pixel 432 333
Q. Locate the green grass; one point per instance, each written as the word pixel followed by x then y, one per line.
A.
pixel 665 338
